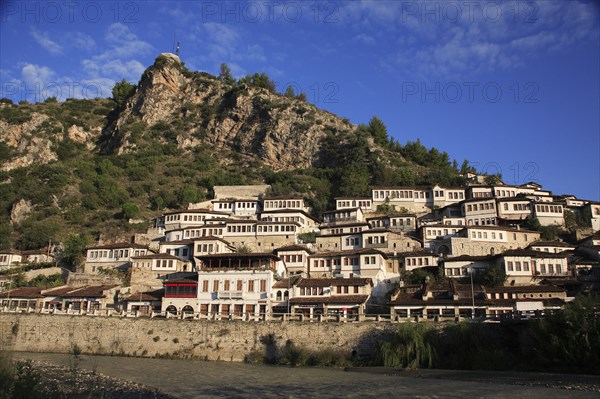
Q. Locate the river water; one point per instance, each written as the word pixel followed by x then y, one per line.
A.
pixel 198 379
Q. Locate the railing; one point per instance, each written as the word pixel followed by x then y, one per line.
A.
pixel 230 294
pixel 293 317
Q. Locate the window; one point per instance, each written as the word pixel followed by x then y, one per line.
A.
pixel 263 285
pixel 518 266
pixel 251 286
pixel 205 286
pixel 216 285
pixel 509 265
pixel 526 266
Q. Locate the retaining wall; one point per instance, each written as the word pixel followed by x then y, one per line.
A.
pixel 210 340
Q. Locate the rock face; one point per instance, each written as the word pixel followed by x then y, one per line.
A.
pixel 20 211
pixel 22 139
pixel 283 132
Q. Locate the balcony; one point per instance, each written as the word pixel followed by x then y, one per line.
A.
pixel 230 294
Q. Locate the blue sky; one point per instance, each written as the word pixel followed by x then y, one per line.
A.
pixel 511 86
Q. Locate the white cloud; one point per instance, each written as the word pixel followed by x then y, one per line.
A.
pixel 117 60
pixel 365 39
pixel 430 40
pixel 35 75
pixel 48 44
pixel 82 41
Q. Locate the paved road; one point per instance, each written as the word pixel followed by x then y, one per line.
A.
pixel 197 379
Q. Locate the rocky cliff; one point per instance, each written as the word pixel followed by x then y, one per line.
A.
pixel 195 109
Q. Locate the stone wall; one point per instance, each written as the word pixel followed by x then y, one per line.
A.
pixel 210 340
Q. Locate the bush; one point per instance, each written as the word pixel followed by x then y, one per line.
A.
pixel 409 346
pixel 130 211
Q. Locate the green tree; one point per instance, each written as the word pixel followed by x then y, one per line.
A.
pixel 187 194
pixel 289 92
pixel 38 234
pixel 6 231
pixel 225 75
pixel 122 91
pixel 73 252
pixel 378 130
pixel 492 276
pixel 130 211
pixel 492 180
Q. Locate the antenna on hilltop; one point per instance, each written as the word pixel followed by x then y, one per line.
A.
pixel 175 46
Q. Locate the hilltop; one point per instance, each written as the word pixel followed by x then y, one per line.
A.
pixel 95 165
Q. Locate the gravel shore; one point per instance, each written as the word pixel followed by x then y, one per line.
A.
pixel 75 382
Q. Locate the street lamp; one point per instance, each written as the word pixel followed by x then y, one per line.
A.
pixel 471 269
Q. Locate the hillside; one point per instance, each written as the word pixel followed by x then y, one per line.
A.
pixel 91 165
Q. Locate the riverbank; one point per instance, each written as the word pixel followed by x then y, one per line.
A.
pixel 50 380
pixel 577 382
pixel 199 379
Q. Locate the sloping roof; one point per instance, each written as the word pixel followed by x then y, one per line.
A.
pixel 331 300
pixel 187 241
pixel 23 292
pixel 156 256
pixel 198 210
pixel 469 258
pixel 330 282
pixel 89 291
pixel 523 289
pixel 181 281
pixel 287 283
pixel 235 255
pixel 532 253
pixel 554 243
pixel 146 296
pixel 362 251
pixel 420 252
pixel 294 247
pixel 118 245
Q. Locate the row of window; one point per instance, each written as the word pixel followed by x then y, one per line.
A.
pixel 340 289
pixel 352 241
pixel 518 207
pixel 178 251
pixel 376 240
pixel 417 261
pixel 293 258
pixel 438 232
pixel 165 263
pixel 276 229
pixel 484 235
pixel 187 218
pixel 241 229
pixel 118 253
pixel 228 285
pixel 549 208
pixel 203 232
pixel 506 193
pixel 239 205
pixel 284 204
pixel 296 219
pixel 517 266
pixel 340 230
pixel 354 204
pixel 552 269
pixel 327 263
pixel 481 207
pixel 481 222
